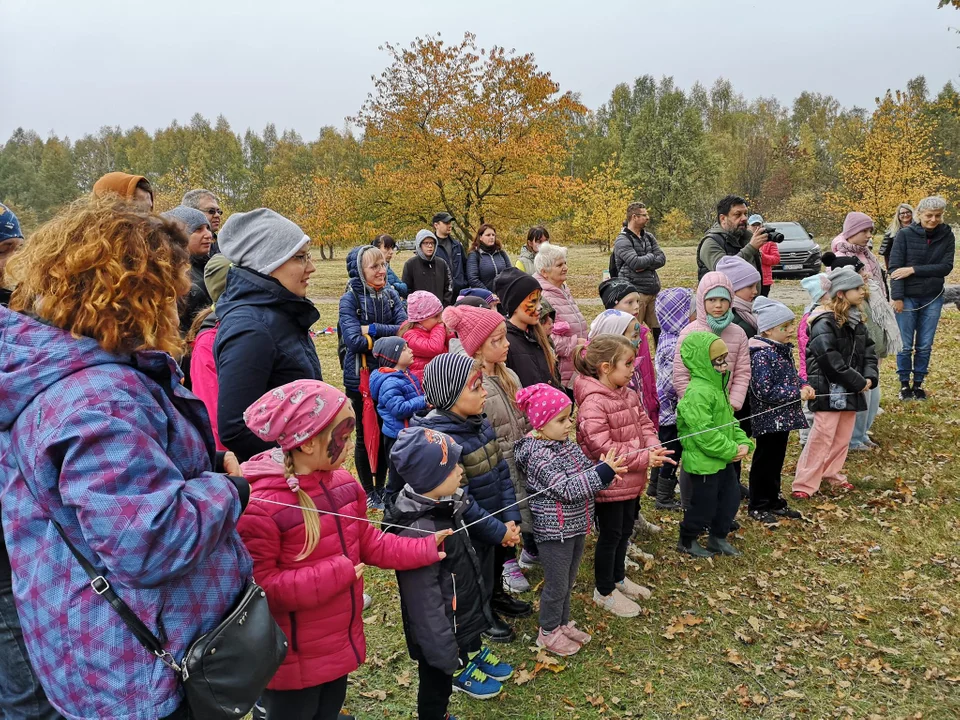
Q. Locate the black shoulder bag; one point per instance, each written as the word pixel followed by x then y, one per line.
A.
pixel 223 671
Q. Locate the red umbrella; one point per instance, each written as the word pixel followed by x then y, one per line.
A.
pixel 371 429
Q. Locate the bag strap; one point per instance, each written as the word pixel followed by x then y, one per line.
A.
pixel 102 588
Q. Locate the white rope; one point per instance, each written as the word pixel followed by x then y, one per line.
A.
pixel 563 479
pixel 937 297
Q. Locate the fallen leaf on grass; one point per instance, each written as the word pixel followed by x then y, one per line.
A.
pixel 648 688
pixel 380 695
pixel 734 658
pixel 403 678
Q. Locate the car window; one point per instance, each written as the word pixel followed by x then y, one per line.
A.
pixel 792 231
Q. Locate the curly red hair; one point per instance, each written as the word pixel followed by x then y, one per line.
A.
pixel 104 269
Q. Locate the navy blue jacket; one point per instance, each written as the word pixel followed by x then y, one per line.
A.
pixel 398 396
pixel 263 341
pixel 394 281
pixel 362 305
pixel 774 382
pixel 930 257
pixel 457 264
pixel 484 266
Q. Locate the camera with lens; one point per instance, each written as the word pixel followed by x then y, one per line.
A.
pixel 772 234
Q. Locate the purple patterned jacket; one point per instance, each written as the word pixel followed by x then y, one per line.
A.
pixel 120 454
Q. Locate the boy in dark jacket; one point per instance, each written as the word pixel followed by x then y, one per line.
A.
pixel 442 606
pixel 426 271
pixel 395 390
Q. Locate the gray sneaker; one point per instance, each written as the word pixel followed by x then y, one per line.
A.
pixel 513 579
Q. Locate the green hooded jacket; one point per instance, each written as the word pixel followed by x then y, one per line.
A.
pixel 705 405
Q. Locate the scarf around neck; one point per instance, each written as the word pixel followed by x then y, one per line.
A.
pixel 744 309
pixel 718 325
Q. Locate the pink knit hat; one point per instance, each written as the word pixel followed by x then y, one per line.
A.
pixel 473 325
pixel 541 403
pixel 423 305
pixel 855 222
pixel 293 413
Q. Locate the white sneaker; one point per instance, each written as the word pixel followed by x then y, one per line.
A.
pixel 616 603
pixel 367 601
pixel 634 591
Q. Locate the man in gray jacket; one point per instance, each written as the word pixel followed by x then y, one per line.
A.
pixel 729 235
pixel 637 257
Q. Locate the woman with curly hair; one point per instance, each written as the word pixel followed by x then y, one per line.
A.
pixel 98 437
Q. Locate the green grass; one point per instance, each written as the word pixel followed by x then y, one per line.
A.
pixel 852 612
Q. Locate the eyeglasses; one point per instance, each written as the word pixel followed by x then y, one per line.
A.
pixel 303 258
pixel 213 211
pixel 906 213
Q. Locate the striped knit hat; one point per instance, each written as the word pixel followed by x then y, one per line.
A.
pixel 445 377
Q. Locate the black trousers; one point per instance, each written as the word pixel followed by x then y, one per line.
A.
pixel 714 500
pixel 766 470
pixel 434 692
pixel 765 290
pixel 615 523
pixel 360 457
pixel 322 702
pixel 486 558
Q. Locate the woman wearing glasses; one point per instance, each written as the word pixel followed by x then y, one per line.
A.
pixel 902 218
pixel 263 340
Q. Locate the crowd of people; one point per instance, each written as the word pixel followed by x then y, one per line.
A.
pixel 164 415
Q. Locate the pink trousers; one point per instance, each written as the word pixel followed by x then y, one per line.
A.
pixel 825 452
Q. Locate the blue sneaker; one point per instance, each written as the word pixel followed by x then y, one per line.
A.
pixel 491 665
pixel 475 683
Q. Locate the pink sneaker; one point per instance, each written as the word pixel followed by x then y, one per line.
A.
pixel 557 642
pixel 578 636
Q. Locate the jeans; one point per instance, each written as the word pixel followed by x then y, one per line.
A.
pixel 21 696
pixel 865 418
pixel 615 524
pixel 917 330
pixel 322 702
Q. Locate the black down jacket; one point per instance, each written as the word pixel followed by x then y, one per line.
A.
pixel 842 355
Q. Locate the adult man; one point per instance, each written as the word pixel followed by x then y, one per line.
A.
pixel 451 251
pixel 921 257
pixel 729 236
pixel 637 257
pixel 207 203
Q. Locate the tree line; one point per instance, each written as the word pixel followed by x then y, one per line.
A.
pixel 487 135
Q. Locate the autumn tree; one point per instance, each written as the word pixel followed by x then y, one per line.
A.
pixel 478 133
pixel 601 205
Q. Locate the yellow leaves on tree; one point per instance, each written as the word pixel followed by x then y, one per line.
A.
pixel 478 133
pixel 602 205
pixel 893 164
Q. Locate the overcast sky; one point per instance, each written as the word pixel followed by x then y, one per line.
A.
pixel 71 66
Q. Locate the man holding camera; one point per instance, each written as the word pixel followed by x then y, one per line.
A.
pixel 730 235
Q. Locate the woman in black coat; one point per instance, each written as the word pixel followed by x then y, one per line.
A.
pixel 486 260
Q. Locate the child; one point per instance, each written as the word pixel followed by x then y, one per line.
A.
pixel 769 257
pixel 712 441
pixel 311 563
pixel 611 419
pixel 442 604
pixel 816 287
pixel 745 280
pixel 396 391
pixel 841 367
pixel 565 482
pixel 483 335
pixel 424 331
pixel 674 312
pixel 775 394
pixel 454 387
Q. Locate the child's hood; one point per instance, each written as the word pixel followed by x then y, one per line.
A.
pixel 710 281
pixel 409 506
pixel 378 378
pixel 759 344
pixel 673 307
pixel 695 353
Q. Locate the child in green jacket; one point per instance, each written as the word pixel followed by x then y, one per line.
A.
pixel 712 441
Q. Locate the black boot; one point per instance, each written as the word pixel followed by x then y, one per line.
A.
pixel 499 632
pixel 666 500
pixel 720 545
pixel 689 546
pixel 510 607
pixel 653 484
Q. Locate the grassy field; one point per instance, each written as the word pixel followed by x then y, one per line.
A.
pixel 852 612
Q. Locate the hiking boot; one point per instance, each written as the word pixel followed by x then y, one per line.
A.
pixel 693 548
pixel 906 393
pixel 644 528
pixel 918 392
pixel 616 603
pixel 492 666
pixel 557 642
pixel 578 636
pixel 720 545
pixel 476 683
pixel 528 560
pixel 513 579
pixel 507 606
pixel 764 516
pixel 499 632
pixel 632 590
pixel 785 511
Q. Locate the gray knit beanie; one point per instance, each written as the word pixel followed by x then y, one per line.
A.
pixel 260 240
pixel 445 377
pixel 191 218
pixel 771 313
pixel 843 278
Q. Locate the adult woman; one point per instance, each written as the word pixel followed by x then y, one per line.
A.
pixel 528 254
pixel 369 309
pixel 388 246
pixel 99 437
pixel 531 356
pixel 263 340
pixel 921 257
pixel 487 259
pixel 551 264
pixel 901 219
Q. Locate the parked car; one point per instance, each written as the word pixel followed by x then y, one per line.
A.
pixel 799 254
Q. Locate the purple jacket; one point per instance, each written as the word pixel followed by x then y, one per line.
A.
pixel 673 307
pixel 117 451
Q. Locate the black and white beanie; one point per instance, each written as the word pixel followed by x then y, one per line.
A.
pixel 445 377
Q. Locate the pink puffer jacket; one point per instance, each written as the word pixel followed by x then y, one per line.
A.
pixel 644 380
pixel 738 357
pixel 567 311
pixel 614 420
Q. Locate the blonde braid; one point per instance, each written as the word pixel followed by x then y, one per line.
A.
pixel 311 519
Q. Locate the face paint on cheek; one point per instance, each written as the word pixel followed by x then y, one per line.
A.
pixel 339 437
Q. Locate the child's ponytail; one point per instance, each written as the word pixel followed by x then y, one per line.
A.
pixel 311 520
pixel 602 349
